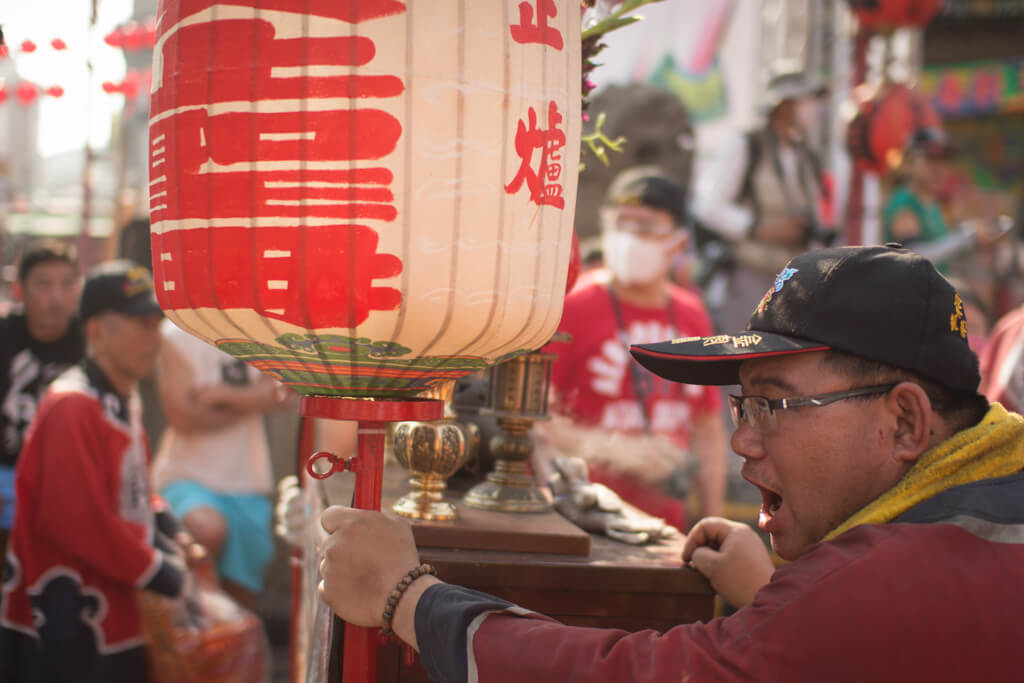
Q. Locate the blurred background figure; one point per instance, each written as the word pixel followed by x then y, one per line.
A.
pixel 912 214
pixel 633 429
pixel 213 463
pixel 37 343
pixel 85 538
pixel 1002 361
pixel 765 202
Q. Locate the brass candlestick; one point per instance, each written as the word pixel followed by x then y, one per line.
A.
pixel 432 452
pixel 518 398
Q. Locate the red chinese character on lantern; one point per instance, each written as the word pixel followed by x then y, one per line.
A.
pixel 544 188
pixel 244 175
pixel 528 31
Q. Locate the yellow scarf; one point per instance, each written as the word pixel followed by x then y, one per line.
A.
pixel 992 448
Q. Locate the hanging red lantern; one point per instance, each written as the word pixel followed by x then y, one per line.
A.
pixel 115 38
pixel 26 92
pixel 890 14
pixel 55 91
pixel 3 93
pixel 4 51
pixel 28 46
pixel 134 36
pixel 130 85
pixel 58 44
pixel 883 124
pixel 364 201
pixel 149 32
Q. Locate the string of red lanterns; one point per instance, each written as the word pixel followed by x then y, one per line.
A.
pixel 27 92
pixel 130 36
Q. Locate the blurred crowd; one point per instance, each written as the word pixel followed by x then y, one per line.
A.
pixel 90 513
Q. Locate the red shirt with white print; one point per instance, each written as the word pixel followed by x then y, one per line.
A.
pixel 593 383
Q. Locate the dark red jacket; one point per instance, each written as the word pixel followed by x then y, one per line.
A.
pixel 933 596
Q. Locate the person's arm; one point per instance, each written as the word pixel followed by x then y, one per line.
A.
pixel 715 204
pixel 265 395
pixel 709 447
pixel 732 556
pixel 823 602
pixel 176 388
pixel 648 458
pixel 75 508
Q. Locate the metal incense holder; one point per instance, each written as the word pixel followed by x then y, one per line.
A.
pixel 518 398
pixel 432 452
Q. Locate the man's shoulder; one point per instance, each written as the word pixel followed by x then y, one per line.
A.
pixel 71 391
pixel 13 329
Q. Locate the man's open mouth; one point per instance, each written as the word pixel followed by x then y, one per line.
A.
pixel 771 502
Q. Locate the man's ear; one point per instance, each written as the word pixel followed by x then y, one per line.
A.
pixel 909 405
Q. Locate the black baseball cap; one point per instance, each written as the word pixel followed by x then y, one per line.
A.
pixel 121 286
pixel 648 186
pixel 882 303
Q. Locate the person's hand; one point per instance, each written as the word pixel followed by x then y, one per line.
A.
pixel 274 396
pixel 293 514
pixel 366 554
pixel 785 231
pixel 732 557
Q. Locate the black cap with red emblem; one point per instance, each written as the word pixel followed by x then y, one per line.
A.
pixel 120 286
pixel 883 303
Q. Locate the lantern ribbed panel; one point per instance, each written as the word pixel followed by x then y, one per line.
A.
pixel 365 197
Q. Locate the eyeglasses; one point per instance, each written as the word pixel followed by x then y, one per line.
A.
pixel 613 217
pixel 759 411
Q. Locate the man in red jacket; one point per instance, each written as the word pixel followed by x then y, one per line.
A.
pixel 85 537
pixel 892 487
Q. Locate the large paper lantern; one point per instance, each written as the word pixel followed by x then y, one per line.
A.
pixel 362 198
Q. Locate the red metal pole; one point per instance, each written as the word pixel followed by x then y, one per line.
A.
pixel 359 661
pixel 307 428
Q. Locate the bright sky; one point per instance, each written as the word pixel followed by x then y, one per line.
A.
pixel 84 109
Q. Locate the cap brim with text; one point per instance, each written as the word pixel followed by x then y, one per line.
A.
pixel 882 303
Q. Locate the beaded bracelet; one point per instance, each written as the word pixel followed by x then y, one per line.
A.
pixel 399 591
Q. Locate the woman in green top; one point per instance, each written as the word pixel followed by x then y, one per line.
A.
pixel 912 215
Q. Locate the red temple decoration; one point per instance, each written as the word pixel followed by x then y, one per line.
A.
pixel 890 14
pixel 26 92
pixel 883 124
pixel 362 198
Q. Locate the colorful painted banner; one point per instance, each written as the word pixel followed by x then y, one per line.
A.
pixel 975 88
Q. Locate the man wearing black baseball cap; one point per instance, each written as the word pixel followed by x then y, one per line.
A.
pixel 896 493
pixel 85 537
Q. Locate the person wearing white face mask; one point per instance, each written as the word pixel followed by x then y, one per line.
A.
pixel 632 428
